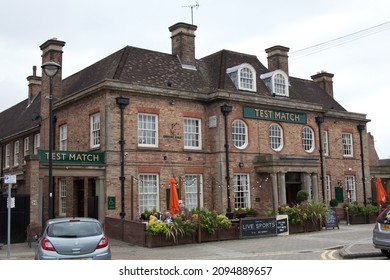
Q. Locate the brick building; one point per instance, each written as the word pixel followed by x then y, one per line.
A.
pixel 224 124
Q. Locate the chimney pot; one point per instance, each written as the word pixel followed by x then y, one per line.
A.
pixel 278 58
pixel 183 42
pixel 325 81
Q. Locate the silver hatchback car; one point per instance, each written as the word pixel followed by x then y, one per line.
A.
pixel 381 232
pixel 72 238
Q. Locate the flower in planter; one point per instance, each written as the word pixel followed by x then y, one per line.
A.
pixel 251 211
pixel 223 222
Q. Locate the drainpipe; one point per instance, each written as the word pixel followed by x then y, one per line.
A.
pixel 319 121
pixel 226 109
pixel 361 127
pixel 122 102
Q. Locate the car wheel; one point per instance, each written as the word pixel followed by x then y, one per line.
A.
pixel 386 253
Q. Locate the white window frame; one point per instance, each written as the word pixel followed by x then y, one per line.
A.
pixel 62 196
pixel 239 134
pixel 26 146
pixel 328 187
pixel 280 83
pixel 147 130
pixel 275 133
pixel 16 152
pixel 243 77
pixel 347 144
pixel 191 191
pixel 37 143
pixel 325 143
pixel 148 192
pixel 192 133
pixel 94 130
pixel 277 82
pixel 308 141
pixel 350 186
pixel 7 160
pixel 64 137
pixel 241 190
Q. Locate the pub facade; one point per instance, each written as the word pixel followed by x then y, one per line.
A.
pixel 233 132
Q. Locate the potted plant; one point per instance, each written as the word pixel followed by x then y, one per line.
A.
pixel 371 211
pixel 250 212
pixel 296 217
pixel 240 213
pixel 315 212
pixel 302 196
pixel 355 213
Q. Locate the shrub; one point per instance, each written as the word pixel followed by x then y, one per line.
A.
pixel 302 196
pixel 333 202
pixel 223 222
pixel 354 209
pixel 295 213
pixel 370 209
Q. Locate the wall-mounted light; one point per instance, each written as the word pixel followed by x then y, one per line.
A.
pixel 172 102
pixel 241 165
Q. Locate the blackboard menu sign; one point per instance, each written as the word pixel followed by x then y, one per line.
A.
pixel 331 219
pixel 256 227
pixel 282 226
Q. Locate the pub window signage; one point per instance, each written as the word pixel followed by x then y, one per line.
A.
pixel 274 115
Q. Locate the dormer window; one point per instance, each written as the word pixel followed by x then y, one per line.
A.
pixel 243 77
pixel 276 82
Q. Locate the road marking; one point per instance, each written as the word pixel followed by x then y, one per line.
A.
pixel 328 255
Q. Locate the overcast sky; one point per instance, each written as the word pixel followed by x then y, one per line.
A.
pixel 358 32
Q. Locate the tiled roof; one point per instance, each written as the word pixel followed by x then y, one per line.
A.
pixel 309 91
pixel 18 118
pixel 155 69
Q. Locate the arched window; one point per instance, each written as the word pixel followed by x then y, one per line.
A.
pixel 277 82
pixel 239 134
pixel 246 78
pixel 280 84
pixel 308 139
pixel 276 137
pixel 243 76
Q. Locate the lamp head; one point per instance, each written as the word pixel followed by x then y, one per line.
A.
pixel 50 68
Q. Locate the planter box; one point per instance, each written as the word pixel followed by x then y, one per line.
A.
pixel 372 218
pixel 157 240
pixel 160 240
pixel 207 237
pixel 296 228
pixel 229 234
pixel 357 219
pixel 312 226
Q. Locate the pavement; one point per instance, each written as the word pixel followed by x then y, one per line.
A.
pixel 351 242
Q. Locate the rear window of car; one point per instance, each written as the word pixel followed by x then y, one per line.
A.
pixel 73 229
pixel 385 216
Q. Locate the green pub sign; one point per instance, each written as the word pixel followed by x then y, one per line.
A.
pixel 274 115
pixel 71 157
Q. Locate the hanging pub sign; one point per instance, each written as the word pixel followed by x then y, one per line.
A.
pixel 71 157
pixel 274 115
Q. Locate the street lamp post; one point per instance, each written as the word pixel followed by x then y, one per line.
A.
pixel 361 128
pixel 51 69
pixel 226 109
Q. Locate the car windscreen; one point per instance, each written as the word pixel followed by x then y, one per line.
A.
pixel 74 229
pixel 385 217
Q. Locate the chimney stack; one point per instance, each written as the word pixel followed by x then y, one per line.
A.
pixel 278 58
pixel 183 42
pixel 34 85
pixel 325 81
